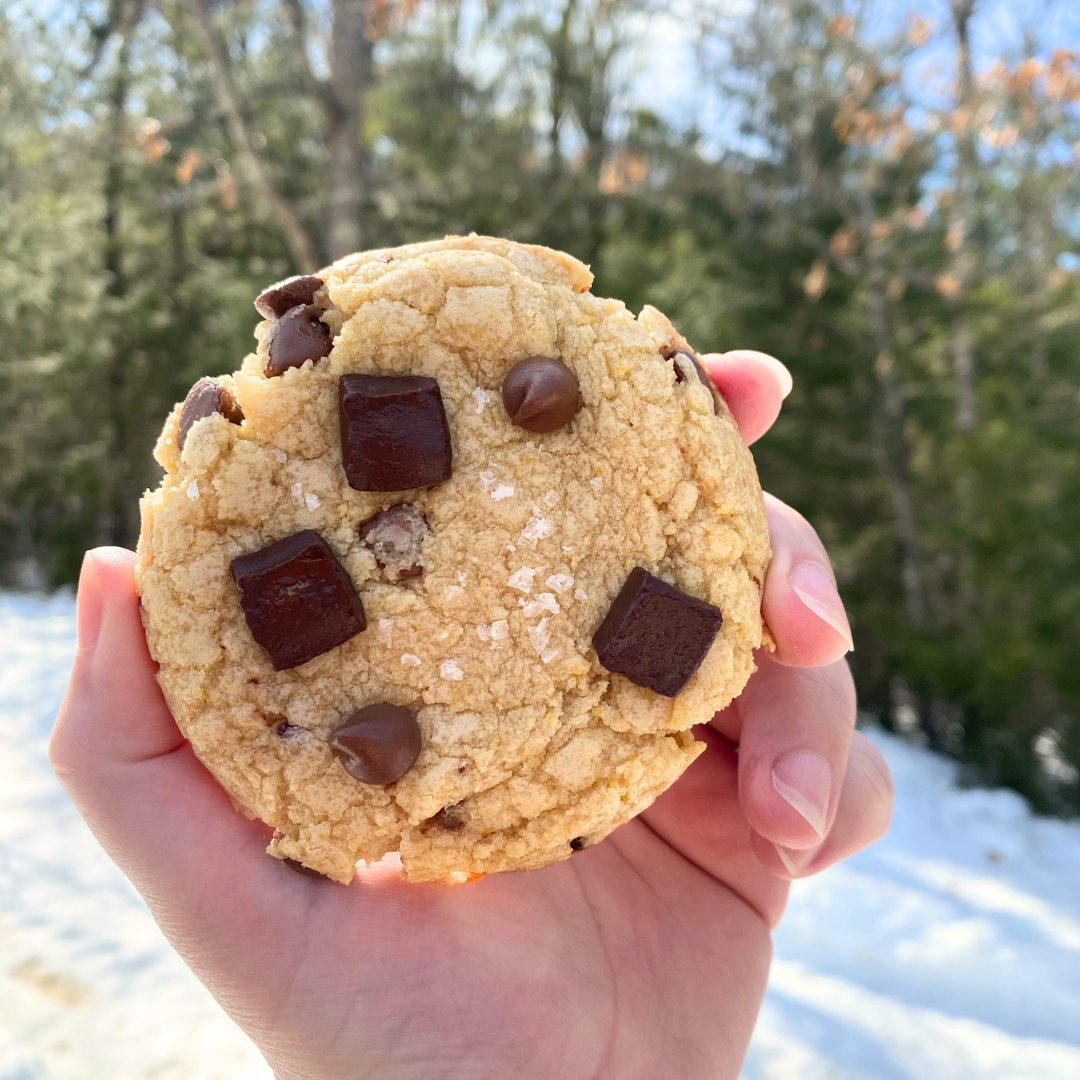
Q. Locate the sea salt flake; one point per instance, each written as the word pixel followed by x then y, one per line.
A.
pixel 522 579
pixel 510 547
pixel 281 456
pixel 384 632
pixel 503 491
pixel 500 630
pixel 597 483
pixel 452 591
pixel 487 478
pixel 311 501
pixel 482 397
pixel 449 669
pixel 297 490
pixel 408 660
pixel 580 594
pixel 462 578
pixel 537 529
pixel 548 655
pixel 544 601
pixel 483 631
pixel 193 490
pixel 559 582
pixel 551 498
pixel 540 635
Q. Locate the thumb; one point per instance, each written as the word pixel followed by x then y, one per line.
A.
pixel 119 754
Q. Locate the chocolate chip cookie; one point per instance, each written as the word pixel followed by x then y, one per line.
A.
pixel 452 563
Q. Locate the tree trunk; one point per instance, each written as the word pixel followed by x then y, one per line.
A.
pixel 350 74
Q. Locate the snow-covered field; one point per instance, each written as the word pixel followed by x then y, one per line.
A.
pixel 950 951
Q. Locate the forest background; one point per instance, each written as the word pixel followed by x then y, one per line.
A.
pixel 886 207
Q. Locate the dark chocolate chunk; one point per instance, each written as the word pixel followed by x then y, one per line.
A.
pixel 273 302
pixel 377 744
pixel 298 600
pixel 396 538
pixel 578 843
pixel 284 730
pixel 394 434
pixel 451 817
pixel 656 635
pixel 206 397
pixel 703 375
pixel 300 868
pixel 297 336
pixel 540 394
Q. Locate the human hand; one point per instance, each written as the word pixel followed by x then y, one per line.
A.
pixel 644 956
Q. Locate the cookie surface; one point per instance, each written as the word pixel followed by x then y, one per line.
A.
pixel 483 593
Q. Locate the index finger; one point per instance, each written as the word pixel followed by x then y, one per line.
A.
pixel 754 386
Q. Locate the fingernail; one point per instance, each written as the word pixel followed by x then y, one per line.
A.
pixel 795 862
pixel 88 607
pixel 804 780
pixel 814 586
pixel 782 373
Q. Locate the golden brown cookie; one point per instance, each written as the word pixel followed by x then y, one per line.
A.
pixel 373 668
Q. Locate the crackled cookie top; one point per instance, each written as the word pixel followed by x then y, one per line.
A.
pixel 453 562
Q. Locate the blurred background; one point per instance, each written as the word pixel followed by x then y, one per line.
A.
pixel 883 194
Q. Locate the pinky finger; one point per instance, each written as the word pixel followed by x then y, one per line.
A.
pixel 862 816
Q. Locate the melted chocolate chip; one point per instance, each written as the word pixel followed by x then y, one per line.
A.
pixel 298 600
pixel 656 635
pixel 394 434
pixel 578 843
pixel 300 868
pixel 396 538
pixel 273 302
pixel 703 375
pixel 540 394
pixel 452 817
pixel 377 744
pixel 206 397
pixel 297 336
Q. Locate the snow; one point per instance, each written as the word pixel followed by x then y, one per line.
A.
pixel 949 951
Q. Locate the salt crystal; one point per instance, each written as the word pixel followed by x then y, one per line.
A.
pixel 483 631
pixel 482 397
pixel 312 501
pixel 522 579
pixel 449 669
pixel 462 578
pixel 452 591
pixel 544 601
pixel 500 630
pixel 384 632
pixel 548 655
pixel 537 529
pixel 281 456
pixel 551 498
pixel 540 635
pixel 409 660
pixel 559 582
pixel 510 547
pixel 597 483
pixel 297 490
pixel 487 478
pixel 193 490
pixel 503 491
pixel 580 594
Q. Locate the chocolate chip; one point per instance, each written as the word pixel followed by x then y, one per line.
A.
pixel 300 868
pixel 284 730
pixel 297 336
pixel 273 302
pixel 298 600
pixel 703 375
pixel 451 818
pixel 377 744
pixel 540 394
pixel 396 538
pixel 578 843
pixel 394 434
pixel 656 635
pixel 206 397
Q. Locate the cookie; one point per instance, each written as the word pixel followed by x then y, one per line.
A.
pixel 453 563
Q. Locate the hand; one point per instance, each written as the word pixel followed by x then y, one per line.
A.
pixel 643 957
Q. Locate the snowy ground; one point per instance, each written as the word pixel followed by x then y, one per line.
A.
pixel 950 951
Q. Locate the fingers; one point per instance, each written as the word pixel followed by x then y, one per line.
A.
pixel 795 728
pixel 119 754
pixel 753 384
pixel 800 602
pixel 862 816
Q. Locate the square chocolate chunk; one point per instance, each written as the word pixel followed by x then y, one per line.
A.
pixel 298 600
pixel 656 635
pixel 394 434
